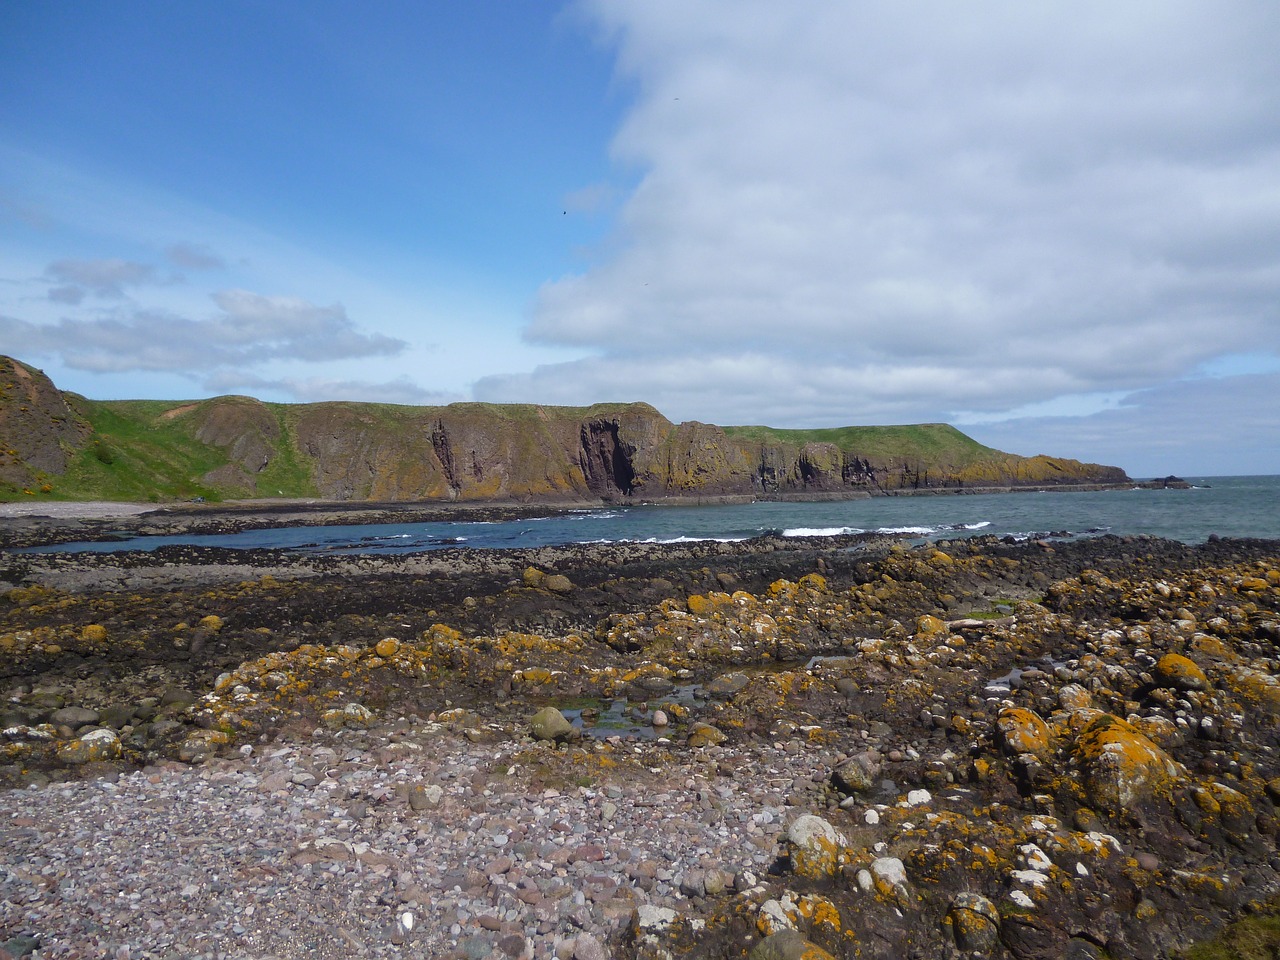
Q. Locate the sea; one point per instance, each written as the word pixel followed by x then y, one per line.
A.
pixel 1213 506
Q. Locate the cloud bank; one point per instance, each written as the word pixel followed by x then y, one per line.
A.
pixel 245 330
pixel 877 213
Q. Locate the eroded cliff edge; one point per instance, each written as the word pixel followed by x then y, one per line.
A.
pixel 61 445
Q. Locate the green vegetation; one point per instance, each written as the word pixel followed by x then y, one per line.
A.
pixel 930 442
pixel 286 475
pixel 1255 937
pixel 61 446
pixel 135 455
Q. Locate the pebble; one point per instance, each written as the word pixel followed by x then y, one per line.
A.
pixel 285 864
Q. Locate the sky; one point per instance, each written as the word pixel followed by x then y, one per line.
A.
pixel 1053 225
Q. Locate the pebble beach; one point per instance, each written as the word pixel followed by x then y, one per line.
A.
pixel 853 748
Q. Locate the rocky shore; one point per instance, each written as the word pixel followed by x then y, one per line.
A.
pixel 771 749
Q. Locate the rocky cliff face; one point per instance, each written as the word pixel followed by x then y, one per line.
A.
pixel 38 430
pixel 476 451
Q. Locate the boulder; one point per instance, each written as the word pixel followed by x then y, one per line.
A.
pixel 1177 672
pixel 1020 731
pixel 705 735
pixel 74 717
pixel 857 774
pixel 550 724
pixel 788 945
pixel 817 848
pixel 1120 766
pixel 94 746
pixel 558 583
pixel 974 922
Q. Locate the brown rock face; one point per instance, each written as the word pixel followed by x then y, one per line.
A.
pixel 38 430
pixel 481 451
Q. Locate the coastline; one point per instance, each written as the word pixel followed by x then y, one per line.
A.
pixel 30 523
pixel 364 729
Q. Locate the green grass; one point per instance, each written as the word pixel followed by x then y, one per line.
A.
pixel 136 456
pixel 933 442
pixel 286 475
pixel 1254 937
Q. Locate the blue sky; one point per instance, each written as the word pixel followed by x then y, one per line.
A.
pixel 1056 226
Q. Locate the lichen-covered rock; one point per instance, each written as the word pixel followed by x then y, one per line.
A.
pixel 705 735
pixel 1177 672
pixel 857 774
pixel 788 945
pixel 929 627
pixel 974 922
pixel 1120 766
pixel 94 746
pixel 387 647
pixel 817 848
pixel 200 745
pixel 1020 731
pixel 353 715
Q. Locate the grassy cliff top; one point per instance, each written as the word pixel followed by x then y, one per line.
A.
pixel 936 442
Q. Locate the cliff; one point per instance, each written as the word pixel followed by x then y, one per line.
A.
pixel 59 445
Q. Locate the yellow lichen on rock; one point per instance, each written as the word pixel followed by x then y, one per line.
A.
pixel 817 848
pixel 1023 731
pixel 1120 766
pixel 929 627
pixel 1177 672
pixel 93 633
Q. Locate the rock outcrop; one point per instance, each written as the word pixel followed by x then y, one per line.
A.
pixel 64 445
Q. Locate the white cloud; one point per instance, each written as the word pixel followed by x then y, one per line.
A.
pixel 77 279
pixel 1203 427
pixel 248 329
pixel 400 390
pixel 870 212
pixel 194 256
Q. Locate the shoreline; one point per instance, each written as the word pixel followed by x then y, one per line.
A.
pixel 47 523
pixel 97 509
pixel 349 742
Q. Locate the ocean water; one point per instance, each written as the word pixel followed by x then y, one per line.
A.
pixel 1222 506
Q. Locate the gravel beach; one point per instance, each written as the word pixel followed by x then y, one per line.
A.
pixel 393 844
pixel 844 748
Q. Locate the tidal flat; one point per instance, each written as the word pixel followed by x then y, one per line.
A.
pixel 845 747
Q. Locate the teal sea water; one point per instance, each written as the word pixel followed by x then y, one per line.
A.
pixel 1221 506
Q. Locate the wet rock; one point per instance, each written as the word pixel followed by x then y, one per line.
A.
pixel 727 684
